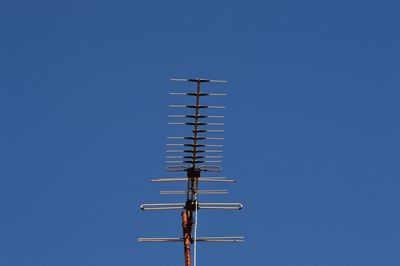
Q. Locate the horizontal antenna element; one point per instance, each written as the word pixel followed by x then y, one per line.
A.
pixel 183 192
pixel 203 179
pixel 201 80
pixel 199 239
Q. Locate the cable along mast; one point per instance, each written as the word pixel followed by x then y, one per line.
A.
pixel 194 155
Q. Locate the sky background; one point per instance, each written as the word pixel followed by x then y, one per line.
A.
pixel 312 129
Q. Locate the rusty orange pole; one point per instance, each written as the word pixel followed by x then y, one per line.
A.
pixel 187 235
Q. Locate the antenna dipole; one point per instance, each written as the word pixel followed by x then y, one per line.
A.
pixel 193 160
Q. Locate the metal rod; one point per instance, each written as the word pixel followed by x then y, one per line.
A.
pixel 183 192
pixel 194 94
pixel 199 239
pixel 198 145
pixel 192 116
pixel 161 208
pixel 200 80
pixel 160 239
pixel 162 204
pixel 198 138
pixel 199 124
pixel 204 179
pixel 197 106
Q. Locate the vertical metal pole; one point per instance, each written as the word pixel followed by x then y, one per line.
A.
pixel 196 123
pixel 187 214
pixel 187 235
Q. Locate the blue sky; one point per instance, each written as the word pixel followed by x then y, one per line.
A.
pixel 312 129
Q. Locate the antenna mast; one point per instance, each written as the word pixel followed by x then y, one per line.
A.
pixel 194 159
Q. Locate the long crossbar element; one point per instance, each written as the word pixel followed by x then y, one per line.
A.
pixel 185 192
pixel 200 80
pixel 203 179
pixel 178 206
pixel 199 239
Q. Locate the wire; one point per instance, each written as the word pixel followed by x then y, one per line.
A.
pixel 195 236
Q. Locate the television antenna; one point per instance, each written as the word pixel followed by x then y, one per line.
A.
pixel 194 155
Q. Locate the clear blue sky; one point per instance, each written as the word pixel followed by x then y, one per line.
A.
pixel 312 129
